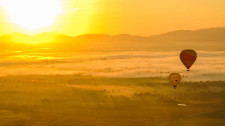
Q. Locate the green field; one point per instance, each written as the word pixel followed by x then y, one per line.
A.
pixel 77 100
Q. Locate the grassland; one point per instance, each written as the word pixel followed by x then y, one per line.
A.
pixel 77 100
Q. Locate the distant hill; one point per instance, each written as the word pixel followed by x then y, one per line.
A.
pixel 211 34
pixel 202 39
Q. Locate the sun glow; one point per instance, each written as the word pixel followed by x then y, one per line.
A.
pixel 32 14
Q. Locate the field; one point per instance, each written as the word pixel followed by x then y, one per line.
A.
pixel 79 100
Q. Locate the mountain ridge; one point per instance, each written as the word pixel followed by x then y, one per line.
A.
pixel 220 30
pixel 212 38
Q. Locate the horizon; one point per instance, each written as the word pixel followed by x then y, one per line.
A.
pixel 58 33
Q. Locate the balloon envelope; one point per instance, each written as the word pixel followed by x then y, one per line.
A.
pixel 188 58
pixel 175 79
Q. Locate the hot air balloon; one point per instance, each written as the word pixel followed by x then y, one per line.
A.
pixel 175 79
pixel 188 58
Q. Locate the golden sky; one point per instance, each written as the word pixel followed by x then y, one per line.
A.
pixel 136 17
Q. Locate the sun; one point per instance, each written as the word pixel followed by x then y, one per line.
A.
pixel 32 14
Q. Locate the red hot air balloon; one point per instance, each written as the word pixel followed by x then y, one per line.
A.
pixel 188 58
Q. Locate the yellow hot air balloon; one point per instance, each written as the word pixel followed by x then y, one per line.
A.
pixel 175 79
pixel 188 58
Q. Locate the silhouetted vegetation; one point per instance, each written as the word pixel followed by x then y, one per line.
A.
pixel 86 100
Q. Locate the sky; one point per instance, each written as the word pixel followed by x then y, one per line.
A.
pixel 135 17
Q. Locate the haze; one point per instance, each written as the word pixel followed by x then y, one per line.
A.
pixel 107 63
pixel 136 17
